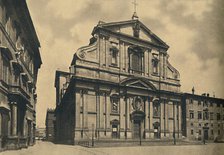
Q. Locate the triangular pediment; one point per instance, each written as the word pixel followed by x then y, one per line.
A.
pixel 126 28
pixel 138 83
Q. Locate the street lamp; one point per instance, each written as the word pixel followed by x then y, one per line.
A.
pixel 92 135
pixel 140 134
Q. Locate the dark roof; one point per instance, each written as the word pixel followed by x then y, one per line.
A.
pixel 189 95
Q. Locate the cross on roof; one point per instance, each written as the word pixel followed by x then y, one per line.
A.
pixel 135 5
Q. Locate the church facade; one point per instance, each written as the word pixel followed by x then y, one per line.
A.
pixel 19 64
pixel 120 86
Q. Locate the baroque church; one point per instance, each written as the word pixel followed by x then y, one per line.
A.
pixel 120 86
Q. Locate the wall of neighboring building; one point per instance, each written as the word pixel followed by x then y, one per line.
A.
pixel 204 113
pixel 19 64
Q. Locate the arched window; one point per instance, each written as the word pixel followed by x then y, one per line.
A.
pixel 136 60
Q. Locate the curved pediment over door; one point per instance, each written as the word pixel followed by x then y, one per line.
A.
pixel 138 83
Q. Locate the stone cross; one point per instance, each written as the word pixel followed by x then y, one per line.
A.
pixel 135 5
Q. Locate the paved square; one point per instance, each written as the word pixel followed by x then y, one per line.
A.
pixel 47 148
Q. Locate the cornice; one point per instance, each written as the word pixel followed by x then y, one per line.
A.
pixel 127 38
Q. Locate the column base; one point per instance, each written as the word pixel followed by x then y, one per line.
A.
pixel 12 143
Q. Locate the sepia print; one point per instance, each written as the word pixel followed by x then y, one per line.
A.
pixel 111 77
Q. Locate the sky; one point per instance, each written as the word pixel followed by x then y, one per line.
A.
pixel 194 30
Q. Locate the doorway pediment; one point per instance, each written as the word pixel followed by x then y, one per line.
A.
pixel 138 83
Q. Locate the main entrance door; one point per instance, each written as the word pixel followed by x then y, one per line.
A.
pixel 205 134
pixel 137 129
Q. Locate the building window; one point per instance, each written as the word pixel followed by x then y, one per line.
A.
pixel 211 125
pixel 199 132
pixel 218 125
pixel 205 104
pixel 199 115
pixel 114 56
pixel 192 132
pixel 156 108
pixel 212 132
pixel 211 115
pixel 199 124
pixel 192 124
pixel 191 114
pixel 211 104
pixel 155 63
pixel 136 56
pixel 199 102
pixel 218 104
pixel 218 132
pixel 191 101
pixel 6 70
pixel 114 105
pixel 218 116
pixel 206 115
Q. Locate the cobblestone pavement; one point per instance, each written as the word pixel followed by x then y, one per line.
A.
pixel 47 148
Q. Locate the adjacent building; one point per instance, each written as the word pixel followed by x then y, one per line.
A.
pixel 120 86
pixel 19 63
pixel 50 125
pixel 40 133
pixel 203 117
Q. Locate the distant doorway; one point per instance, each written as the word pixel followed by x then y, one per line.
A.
pixel 137 129
pixel 156 130
pixel 114 131
pixel 114 123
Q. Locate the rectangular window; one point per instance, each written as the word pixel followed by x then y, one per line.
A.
pixel 206 115
pixel 212 132
pixel 191 114
pixel 218 132
pixel 211 104
pixel 6 75
pixel 218 116
pixel 199 102
pixel 114 56
pixel 199 132
pixel 218 104
pixel 192 132
pixel 191 101
pixel 205 104
pixel 199 115
pixel 211 116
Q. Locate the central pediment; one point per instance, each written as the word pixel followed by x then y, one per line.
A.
pixel 133 28
pixel 138 83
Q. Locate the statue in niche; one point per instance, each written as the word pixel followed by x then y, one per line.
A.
pixel 156 111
